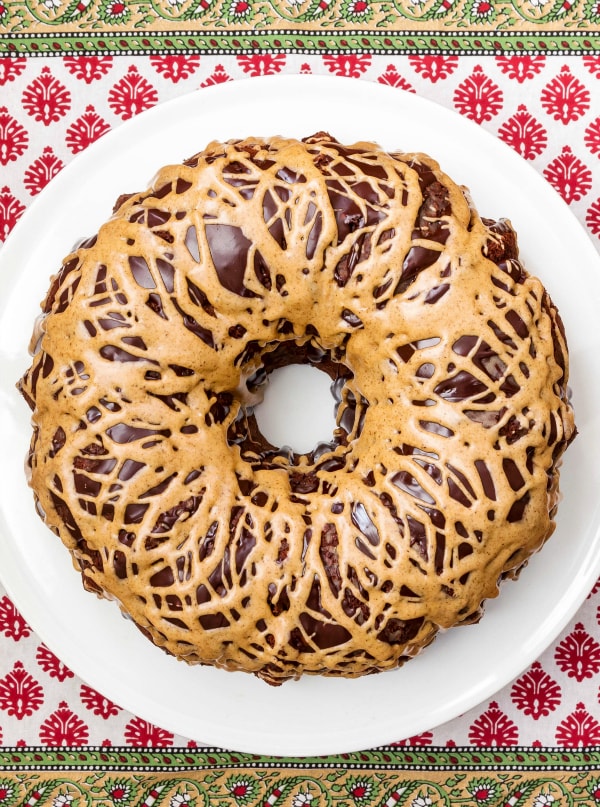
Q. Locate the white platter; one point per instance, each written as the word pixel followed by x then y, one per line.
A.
pixel 314 716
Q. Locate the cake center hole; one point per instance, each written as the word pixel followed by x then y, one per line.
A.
pixel 298 409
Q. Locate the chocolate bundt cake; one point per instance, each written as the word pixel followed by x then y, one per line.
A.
pixel 449 370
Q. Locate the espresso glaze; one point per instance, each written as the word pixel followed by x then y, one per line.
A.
pixel 449 372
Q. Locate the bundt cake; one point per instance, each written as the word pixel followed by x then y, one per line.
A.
pixel 449 373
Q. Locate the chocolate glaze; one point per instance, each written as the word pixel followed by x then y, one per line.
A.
pixel 226 549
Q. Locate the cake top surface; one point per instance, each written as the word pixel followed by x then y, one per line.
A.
pixel 449 426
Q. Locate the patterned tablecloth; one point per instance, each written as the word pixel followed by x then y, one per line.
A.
pixel 546 108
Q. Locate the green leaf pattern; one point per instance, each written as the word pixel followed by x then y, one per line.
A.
pixel 381 778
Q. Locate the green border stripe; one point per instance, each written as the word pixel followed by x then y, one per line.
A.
pixel 290 41
pixel 385 758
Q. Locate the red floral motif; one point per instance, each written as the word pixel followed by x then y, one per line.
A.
pixel 524 134
pixel 88 68
pixel 241 790
pixel 97 703
pixel 592 63
pixel 481 10
pixel 85 130
pixel 140 732
pixel 536 694
pixel 13 137
pixel 392 78
pixel 426 738
pixel 569 176
pixel 347 64
pixel 477 97
pixel 46 100
pixel 434 68
pixel 12 624
pixel 483 791
pixel 521 68
pixel 115 11
pixel 306 69
pixel 578 729
pixel 120 792
pixel 565 98
pixel 11 211
pixel 239 9
pixel 20 694
pixel 219 76
pixel 175 67
pixel 578 655
pixel 493 727
pixel 262 64
pixel 52 665
pixel 132 95
pixel 592 219
pixel 11 67
pixel 64 727
pixel 592 137
pixel 40 172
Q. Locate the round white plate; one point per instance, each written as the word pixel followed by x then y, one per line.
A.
pixel 314 716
